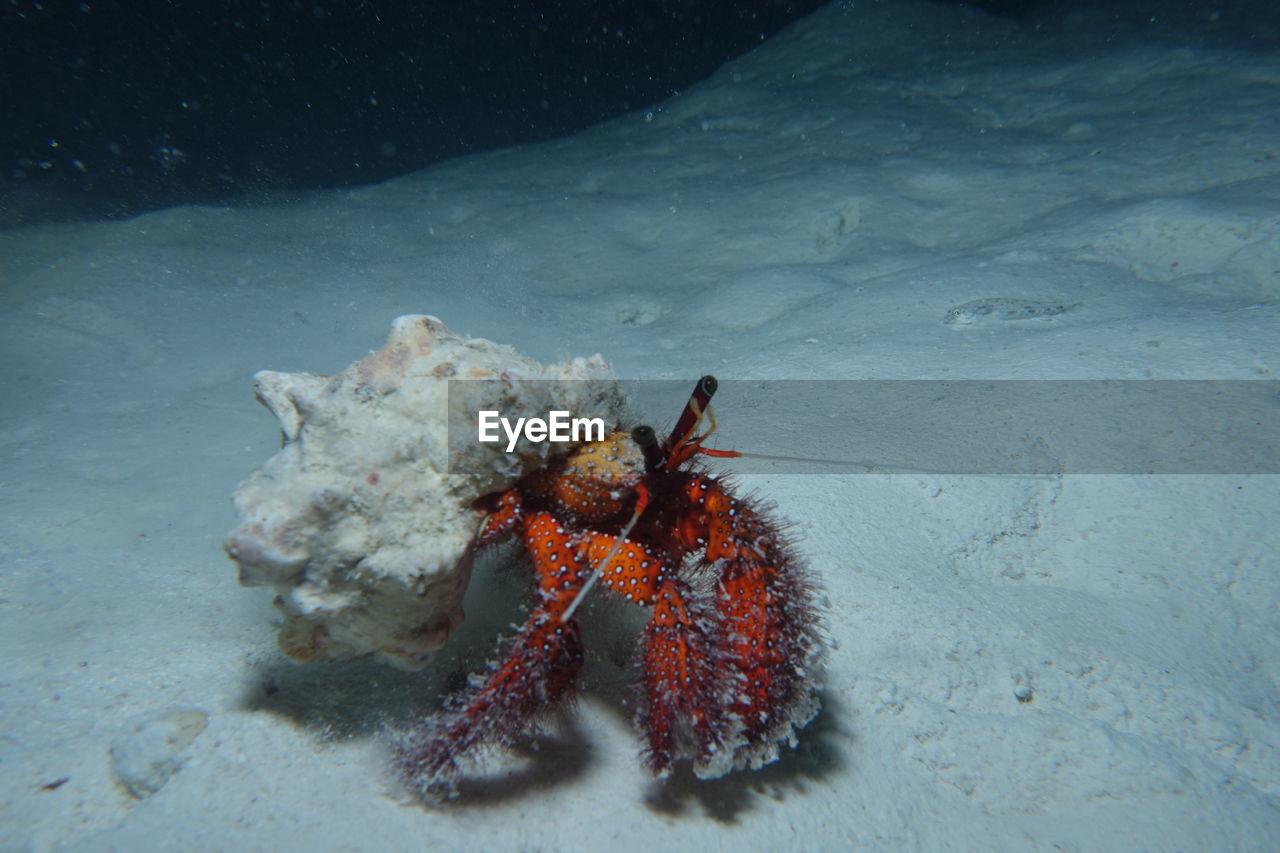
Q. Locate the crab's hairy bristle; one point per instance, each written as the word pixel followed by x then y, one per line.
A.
pixel 537 670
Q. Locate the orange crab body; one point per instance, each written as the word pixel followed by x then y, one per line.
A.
pixel 727 655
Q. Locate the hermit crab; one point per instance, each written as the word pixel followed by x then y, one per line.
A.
pixel 727 658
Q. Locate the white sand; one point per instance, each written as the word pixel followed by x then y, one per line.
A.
pixel 816 209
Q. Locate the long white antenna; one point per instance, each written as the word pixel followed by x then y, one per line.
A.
pixel 594 574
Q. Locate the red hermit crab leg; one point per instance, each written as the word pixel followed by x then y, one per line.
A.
pixel 642 501
pixel 538 667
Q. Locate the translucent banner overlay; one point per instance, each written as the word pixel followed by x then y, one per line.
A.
pixel 1015 427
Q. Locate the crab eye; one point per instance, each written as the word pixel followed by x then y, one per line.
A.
pixel 644 436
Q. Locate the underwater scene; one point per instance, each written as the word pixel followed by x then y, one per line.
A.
pixel 871 443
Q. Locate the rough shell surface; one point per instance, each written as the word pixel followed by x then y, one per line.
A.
pixel 363 521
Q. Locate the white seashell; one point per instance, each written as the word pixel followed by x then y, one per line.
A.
pixel 363 521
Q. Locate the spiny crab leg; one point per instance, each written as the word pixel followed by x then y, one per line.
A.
pixel 538 667
pixel 593 574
